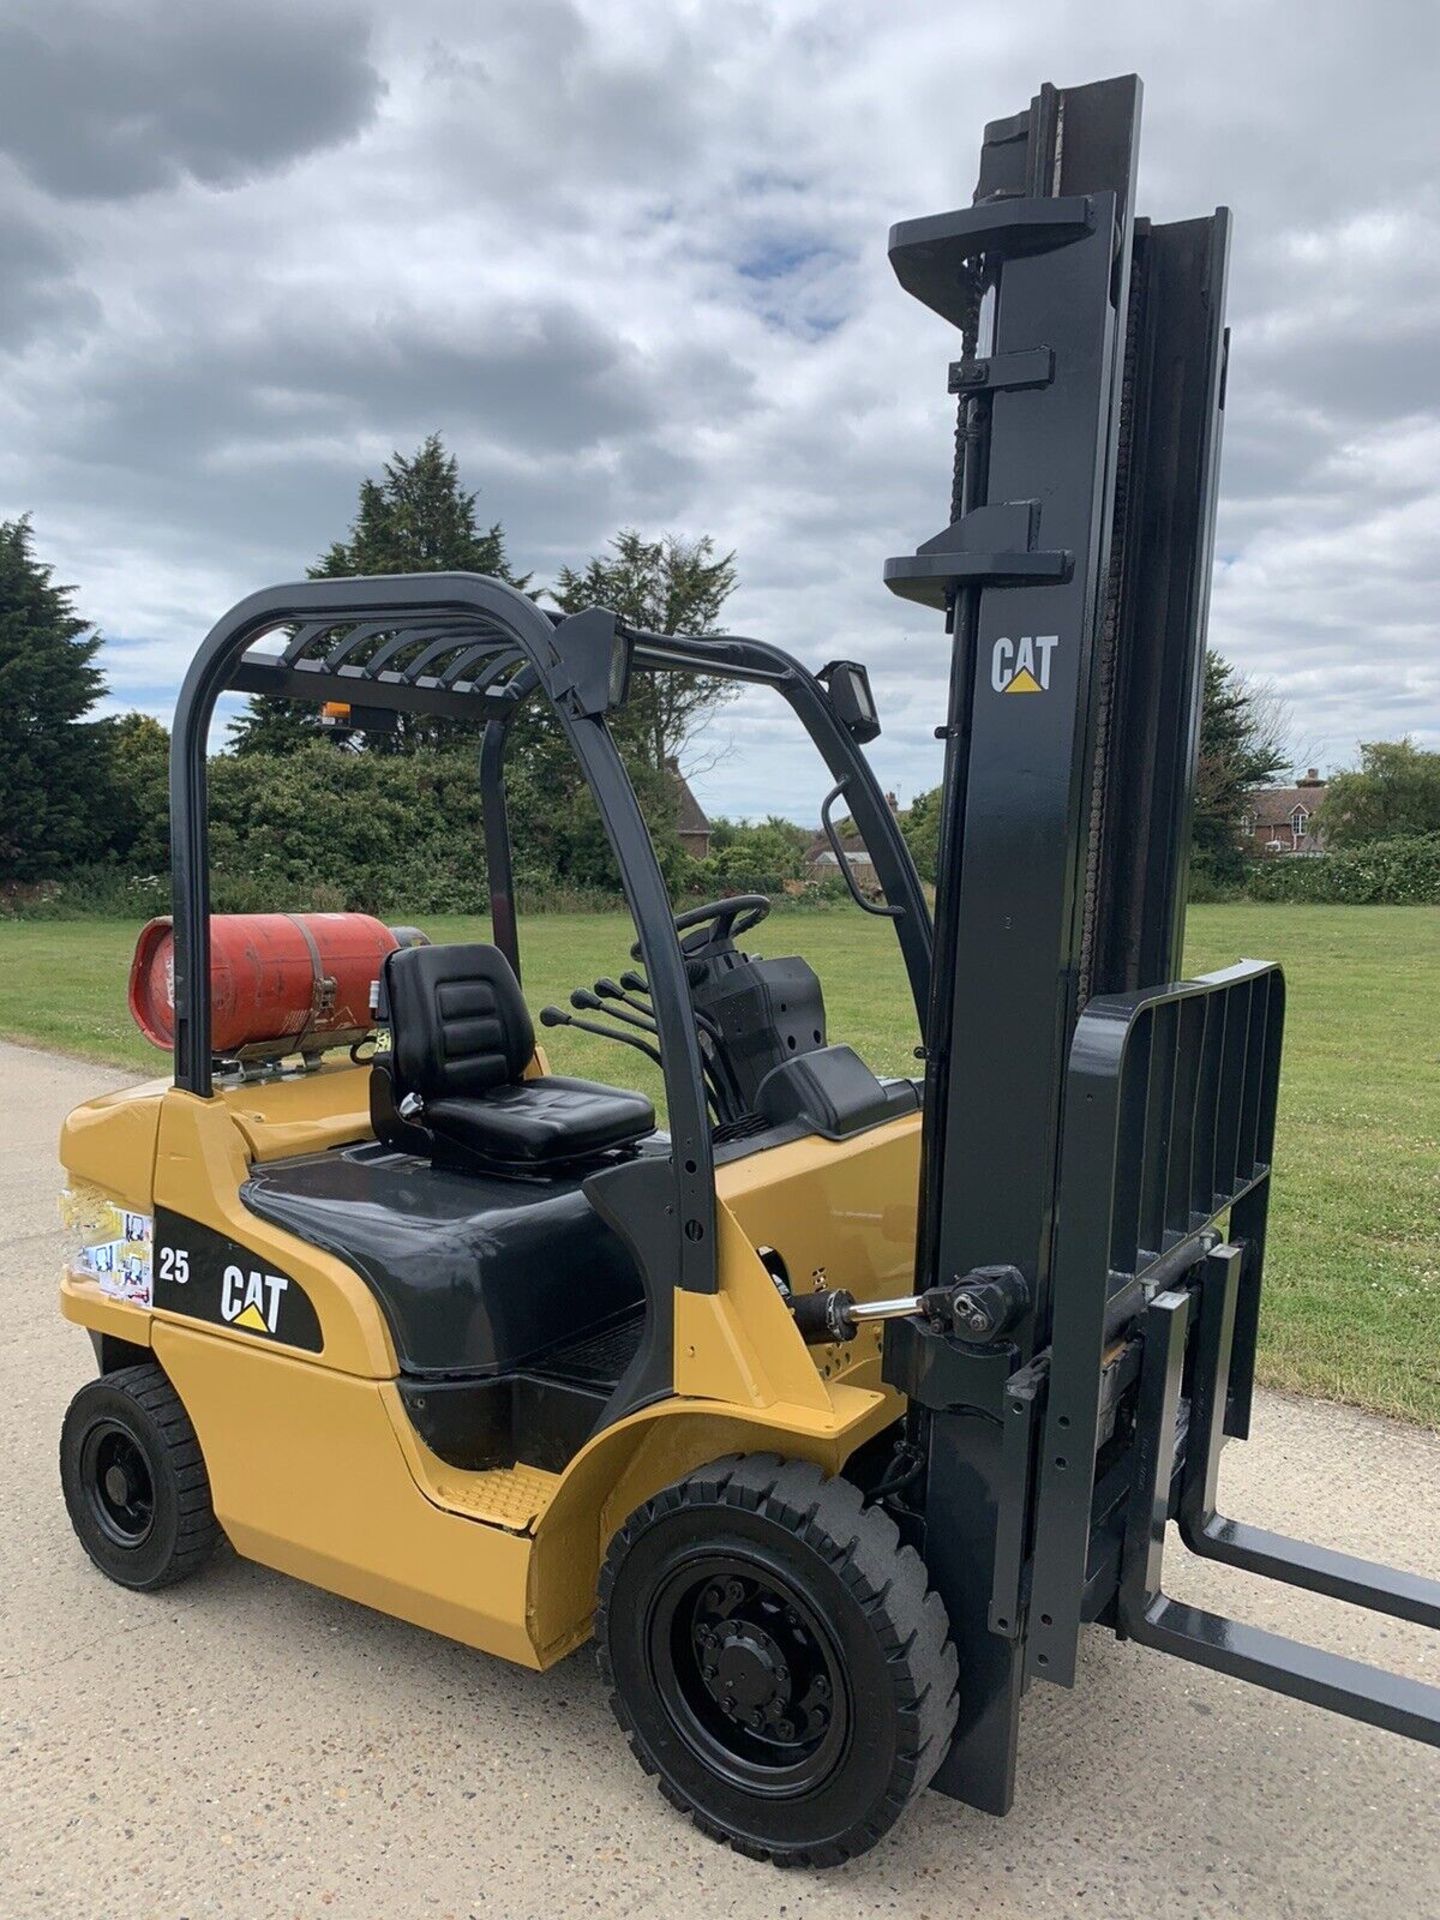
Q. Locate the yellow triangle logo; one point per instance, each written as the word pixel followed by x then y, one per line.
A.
pixel 252 1318
pixel 1024 682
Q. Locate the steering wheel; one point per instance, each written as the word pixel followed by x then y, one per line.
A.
pixel 714 927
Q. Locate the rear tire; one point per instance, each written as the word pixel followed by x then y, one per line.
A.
pixel 134 1480
pixel 775 1659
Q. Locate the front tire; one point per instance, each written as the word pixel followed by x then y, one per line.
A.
pixel 775 1659
pixel 134 1480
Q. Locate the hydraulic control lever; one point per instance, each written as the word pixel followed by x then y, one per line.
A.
pixel 558 1017
pixel 979 1308
pixel 612 990
pixel 634 983
pixel 607 992
pixel 588 1002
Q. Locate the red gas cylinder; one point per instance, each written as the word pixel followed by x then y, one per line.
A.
pixel 279 982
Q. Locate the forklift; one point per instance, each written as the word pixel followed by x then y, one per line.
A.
pixel 838 1406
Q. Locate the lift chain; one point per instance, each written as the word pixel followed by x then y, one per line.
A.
pixel 971 411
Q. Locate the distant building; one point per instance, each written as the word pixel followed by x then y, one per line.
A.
pixel 692 825
pixel 821 864
pixel 1282 819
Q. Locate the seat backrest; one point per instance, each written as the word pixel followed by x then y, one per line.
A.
pixel 459 1026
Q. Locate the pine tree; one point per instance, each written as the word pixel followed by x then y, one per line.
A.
pixel 52 764
pixel 417 519
pixel 1242 746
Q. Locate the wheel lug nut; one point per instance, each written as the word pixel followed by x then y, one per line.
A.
pixel 757 1720
pixel 822 1687
pixel 820 1718
pixel 785 1729
pixel 734 1592
pixel 714 1598
pixel 708 1671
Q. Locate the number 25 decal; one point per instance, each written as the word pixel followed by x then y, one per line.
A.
pixel 175 1265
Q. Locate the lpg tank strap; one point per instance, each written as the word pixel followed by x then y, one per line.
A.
pixel 322 984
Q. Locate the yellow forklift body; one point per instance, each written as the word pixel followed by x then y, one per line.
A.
pixel 317 1470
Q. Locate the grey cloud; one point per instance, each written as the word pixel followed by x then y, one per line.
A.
pixel 98 104
pixel 37 286
pixel 536 378
pixel 630 260
pixel 245 445
pixel 542 111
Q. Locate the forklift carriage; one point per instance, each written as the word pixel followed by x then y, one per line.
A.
pixel 836 1409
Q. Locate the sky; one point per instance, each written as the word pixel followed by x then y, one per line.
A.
pixel 628 256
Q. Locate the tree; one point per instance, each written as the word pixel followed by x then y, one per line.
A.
pixel 1242 746
pixel 418 519
pixel 138 813
pixel 52 773
pixel 754 857
pixel 1395 790
pixel 920 824
pixel 669 585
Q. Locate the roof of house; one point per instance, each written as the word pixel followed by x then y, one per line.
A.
pixel 1273 806
pixel 692 814
pixel 820 847
pixel 823 856
pixel 855 848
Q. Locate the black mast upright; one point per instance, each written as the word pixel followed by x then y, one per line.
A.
pixel 1073 583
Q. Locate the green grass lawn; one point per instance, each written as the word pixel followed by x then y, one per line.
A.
pixel 1353 1277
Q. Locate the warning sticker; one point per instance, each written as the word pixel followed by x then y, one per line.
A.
pixel 1023 665
pixel 117 1245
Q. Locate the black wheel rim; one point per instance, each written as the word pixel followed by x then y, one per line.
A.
pixel 118 1484
pixel 749 1674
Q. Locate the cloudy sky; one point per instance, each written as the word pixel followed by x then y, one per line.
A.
pixel 629 257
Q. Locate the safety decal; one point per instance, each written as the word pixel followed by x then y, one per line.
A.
pixel 115 1248
pixel 208 1276
pixel 1023 665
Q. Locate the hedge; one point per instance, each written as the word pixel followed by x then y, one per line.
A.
pixel 1404 871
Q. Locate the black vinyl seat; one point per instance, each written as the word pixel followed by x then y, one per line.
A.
pixel 461 1038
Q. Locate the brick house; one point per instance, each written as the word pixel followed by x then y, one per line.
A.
pixel 691 825
pixel 1282 819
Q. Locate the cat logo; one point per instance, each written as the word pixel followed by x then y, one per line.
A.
pixel 252 1300
pixel 207 1276
pixel 1023 665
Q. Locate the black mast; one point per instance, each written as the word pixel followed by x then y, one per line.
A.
pixel 1073 580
